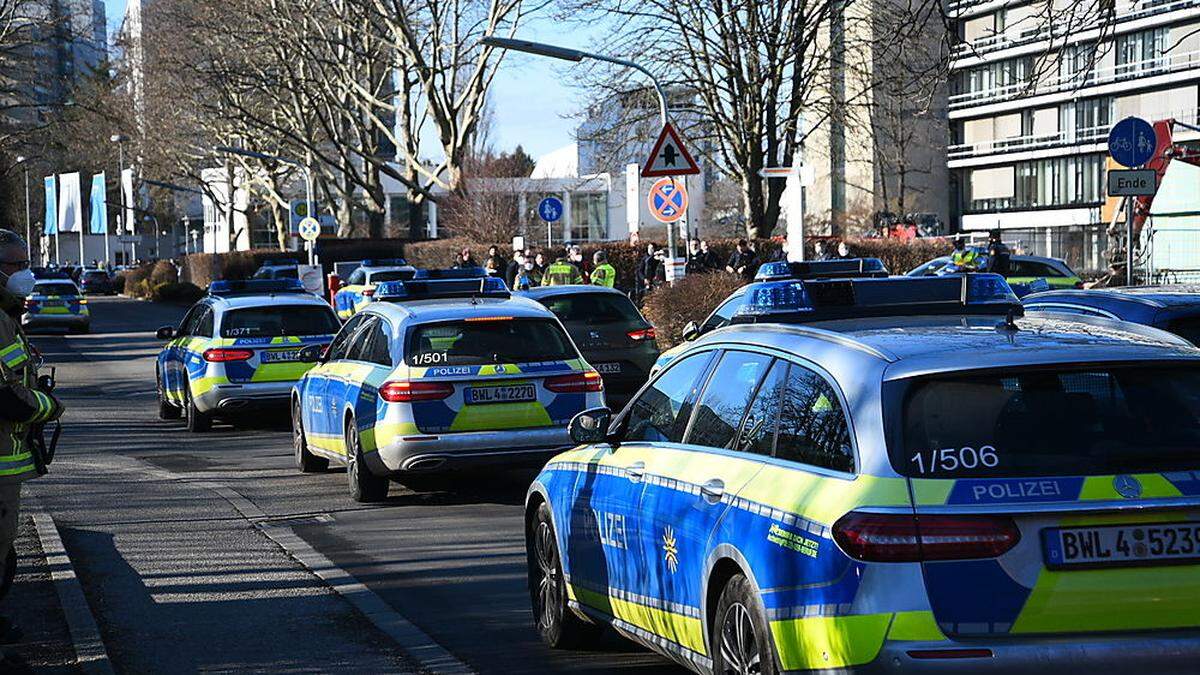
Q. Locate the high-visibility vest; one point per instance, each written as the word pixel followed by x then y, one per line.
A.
pixel 604 275
pixel 562 273
pixel 967 257
pixel 18 374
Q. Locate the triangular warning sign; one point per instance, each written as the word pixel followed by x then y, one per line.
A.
pixel 669 157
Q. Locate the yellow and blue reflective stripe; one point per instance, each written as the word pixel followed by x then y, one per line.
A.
pixel 14 356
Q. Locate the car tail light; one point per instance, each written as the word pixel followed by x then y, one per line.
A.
pixel 643 334
pixel 879 537
pixel 588 382
pixel 408 391
pixel 368 292
pixel 224 355
pixel 30 303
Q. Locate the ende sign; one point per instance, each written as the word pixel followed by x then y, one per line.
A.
pixel 1132 183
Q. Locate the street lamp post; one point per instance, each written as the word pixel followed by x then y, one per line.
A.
pixel 575 56
pixel 310 205
pixel 24 162
pixel 120 140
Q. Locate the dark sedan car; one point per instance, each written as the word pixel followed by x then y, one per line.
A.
pixel 96 282
pixel 1174 308
pixel 610 332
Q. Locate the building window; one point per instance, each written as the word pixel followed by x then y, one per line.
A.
pixel 589 216
pixel 1063 181
pixel 1001 74
pixel 1141 52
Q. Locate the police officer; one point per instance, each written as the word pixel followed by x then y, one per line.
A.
pixel 21 404
pixel 603 274
pixel 965 259
pixel 562 272
pixel 999 255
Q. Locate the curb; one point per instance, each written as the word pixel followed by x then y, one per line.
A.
pixel 90 652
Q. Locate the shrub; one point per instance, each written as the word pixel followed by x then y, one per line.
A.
pixel 118 283
pixel 164 272
pixel 135 282
pixel 178 293
pixel 692 298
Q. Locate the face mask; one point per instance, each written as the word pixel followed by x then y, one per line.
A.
pixel 21 283
pixel 528 266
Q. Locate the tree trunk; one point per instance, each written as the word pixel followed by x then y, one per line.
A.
pixel 754 207
pixel 282 223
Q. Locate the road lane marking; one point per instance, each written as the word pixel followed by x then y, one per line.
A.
pixel 90 652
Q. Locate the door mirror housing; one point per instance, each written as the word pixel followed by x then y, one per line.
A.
pixel 691 331
pixel 590 426
pixel 165 333
pixel 312 354
pixel 341 285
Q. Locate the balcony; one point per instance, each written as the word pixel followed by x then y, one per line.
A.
pixel 1030 142
pixel 1078 81
pixel 1016 38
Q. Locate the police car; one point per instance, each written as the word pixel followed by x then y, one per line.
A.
pixel 888 475
pixel 440 374
pixel 359 288
pixel 1174 308
pixel 56 303
pixel 849 268
pixel 239 349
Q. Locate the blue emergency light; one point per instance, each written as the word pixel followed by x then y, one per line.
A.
pixel 827 299
pixel 385 262
pixel 226 289
pixel 850 268
pixel 430 289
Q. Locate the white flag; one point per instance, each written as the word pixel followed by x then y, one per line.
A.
pixel 70 203
pixel 129 218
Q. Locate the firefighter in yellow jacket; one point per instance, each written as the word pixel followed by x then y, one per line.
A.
pixel 22 405
pixel 562 272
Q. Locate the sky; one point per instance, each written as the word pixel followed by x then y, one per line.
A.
pixel 531 101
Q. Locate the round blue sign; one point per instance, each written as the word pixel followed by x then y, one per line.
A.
pixel 550 209
pixel 1132 142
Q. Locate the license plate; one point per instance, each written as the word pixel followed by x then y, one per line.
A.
pixel 608 368
pixel 52 303
pixel 514 393
pixel 1114 545
pixel 279 357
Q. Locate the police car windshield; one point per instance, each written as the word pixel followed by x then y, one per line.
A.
pixel 1187 328
pixel 593 308
pixel 56 289
pixel 1093 420
pixel 486 341
pixel 392 275
pixel 278 321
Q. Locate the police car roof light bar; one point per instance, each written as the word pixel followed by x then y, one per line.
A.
pixel 850 268
pixel 227 289
pixel 825 299
pixel 384 262
pixel 432 289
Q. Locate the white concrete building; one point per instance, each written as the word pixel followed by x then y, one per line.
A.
pixel 1031 106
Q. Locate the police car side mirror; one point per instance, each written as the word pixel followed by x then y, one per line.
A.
pixel 590 426
pixel 342 284
pixel 691 331
pixel 165 333
pixel 312 354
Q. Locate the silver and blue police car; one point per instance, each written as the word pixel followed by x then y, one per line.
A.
pixel 440 374
pixel 888 475
pixel 359 288
pixel 56 303
pixel 239 349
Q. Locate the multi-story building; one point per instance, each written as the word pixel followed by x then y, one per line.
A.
pixel 1034 92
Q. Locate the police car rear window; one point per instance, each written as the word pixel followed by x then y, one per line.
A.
pixel 594 308
pixel 56 289
pixel 486 341
pixel 392 275
pixel 1098 420
pixel 278 321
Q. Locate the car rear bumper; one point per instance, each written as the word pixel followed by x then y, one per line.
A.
pixel 434 453
pixel 1159 653
pixel 55 320
pixel 236 398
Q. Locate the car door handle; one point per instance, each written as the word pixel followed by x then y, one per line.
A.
pixel 636 471
pixel 713 490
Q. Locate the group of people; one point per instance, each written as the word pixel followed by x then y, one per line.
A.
pixel 529 269
pixel 996 258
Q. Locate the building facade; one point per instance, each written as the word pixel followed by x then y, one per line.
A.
pixel 1032 101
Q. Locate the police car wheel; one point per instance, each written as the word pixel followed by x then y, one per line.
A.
pixel 365 486
pixel 166 409
pixel 305 460
pixel 197 422
pixel 741 641
pixel 555 622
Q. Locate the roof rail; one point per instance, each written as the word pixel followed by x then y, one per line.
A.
pixel 432 289
pixel 849 268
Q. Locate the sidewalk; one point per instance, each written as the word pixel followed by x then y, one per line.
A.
pixel 33 605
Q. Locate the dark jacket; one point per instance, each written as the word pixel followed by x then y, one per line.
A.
pixel 746 260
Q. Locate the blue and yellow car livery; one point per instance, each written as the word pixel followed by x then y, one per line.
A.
pixel 439 376
pixel 240 348
pixel 868 534
pixel 359 289
pixel 56 303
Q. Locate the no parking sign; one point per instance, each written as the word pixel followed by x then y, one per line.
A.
pixel 668 200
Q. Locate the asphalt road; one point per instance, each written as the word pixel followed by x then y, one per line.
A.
pixel 181 581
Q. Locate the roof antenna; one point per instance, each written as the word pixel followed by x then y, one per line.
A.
pixel 1010 321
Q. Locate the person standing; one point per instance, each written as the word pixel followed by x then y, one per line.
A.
pixel 999 255
pixel 843 251
pixel 575 257
pixel 22 405
pixel 695 261
pixel 965 259
pixel 514 268
pixel 743 261
pixel 465 260
pixel 495 264
pixel 603 274
pixel 539 268
pixel 711 261
pixel 563 272
pixel 646 270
